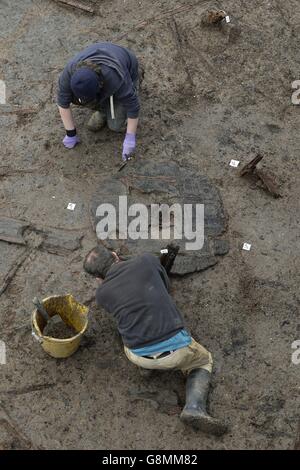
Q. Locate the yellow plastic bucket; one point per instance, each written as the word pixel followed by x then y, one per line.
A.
pixel 72 313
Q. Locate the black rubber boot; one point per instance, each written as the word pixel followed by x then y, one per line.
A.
pixel 194 413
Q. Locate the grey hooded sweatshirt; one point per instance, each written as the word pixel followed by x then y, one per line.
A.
pixel 119 68
pixel 135 293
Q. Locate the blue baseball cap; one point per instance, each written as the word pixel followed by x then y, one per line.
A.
pixel 85 84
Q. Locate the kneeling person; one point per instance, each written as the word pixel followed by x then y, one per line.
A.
pixel 136 293
pixel 103 77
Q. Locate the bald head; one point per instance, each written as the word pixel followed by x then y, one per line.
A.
pixel 98 261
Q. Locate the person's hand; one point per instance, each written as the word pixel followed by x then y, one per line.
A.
pixel 128 146
pixel 70 142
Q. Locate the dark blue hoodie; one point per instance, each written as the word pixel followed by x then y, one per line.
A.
pixel 119 68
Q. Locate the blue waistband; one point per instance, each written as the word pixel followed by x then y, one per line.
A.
pixel 180 340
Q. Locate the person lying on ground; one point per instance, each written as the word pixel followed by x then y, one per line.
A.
pixel 103 77
pixel 136 293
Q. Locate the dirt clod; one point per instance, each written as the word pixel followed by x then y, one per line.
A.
pixel 59 330
pixel 210 17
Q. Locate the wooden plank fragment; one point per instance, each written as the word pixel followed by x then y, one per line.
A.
pixel 60 242
pixel 12 230
pixel 78 5
pixel 7 109
pixel 250 167
pixel 267 180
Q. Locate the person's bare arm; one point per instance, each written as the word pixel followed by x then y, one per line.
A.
pixel 71 139
pixel 132 125
pixel 67 118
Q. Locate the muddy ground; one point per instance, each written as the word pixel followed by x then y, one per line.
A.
pixel 208 97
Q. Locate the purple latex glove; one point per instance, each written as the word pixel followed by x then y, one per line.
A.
pixel 70 142
pixel 128 146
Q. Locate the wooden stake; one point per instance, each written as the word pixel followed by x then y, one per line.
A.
pixel 9 277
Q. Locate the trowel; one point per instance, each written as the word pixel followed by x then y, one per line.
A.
pixel 124 163
pixel 41 309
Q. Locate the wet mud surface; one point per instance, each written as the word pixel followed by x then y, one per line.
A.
pixel 209 95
